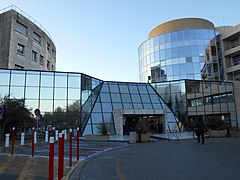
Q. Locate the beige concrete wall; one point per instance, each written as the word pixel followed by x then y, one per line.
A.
pixel 11 58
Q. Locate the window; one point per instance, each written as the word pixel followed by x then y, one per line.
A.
pixel 236 60
pixel 235 42
pixel 41 60
pixel 21 28
pixel 48 48
pixel 34 56
pixel 36 38
pixel 48 65
pixel 20 49
pixel 18 67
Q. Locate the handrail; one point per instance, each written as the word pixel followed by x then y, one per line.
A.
pixel 13 7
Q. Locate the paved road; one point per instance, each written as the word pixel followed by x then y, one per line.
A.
pixel 87 149
pixel 175 160
pixel 22 166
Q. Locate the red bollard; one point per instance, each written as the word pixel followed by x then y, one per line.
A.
pixel 78 135
pixel 60 156
pixel 33 130
pixel 70 148
pixel 53 132
pixel 12 140
pixel 51 159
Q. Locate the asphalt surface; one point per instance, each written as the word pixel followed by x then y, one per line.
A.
pixel 22 166
pixel 174 160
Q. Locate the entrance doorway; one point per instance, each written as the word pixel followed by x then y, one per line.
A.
pixel 150 123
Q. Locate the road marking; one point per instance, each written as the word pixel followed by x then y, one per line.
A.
pixel 119 171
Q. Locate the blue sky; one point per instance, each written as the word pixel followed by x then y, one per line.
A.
pixel 101 37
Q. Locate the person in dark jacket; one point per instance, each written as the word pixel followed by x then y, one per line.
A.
pixel 200 131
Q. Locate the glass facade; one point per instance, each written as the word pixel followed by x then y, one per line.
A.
pixel 174 55
pixel 68 100
pixel 192 100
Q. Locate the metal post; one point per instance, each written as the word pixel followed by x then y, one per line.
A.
pixel 33 141
pixel 70 148
pixel 60 156
pixel 7 140
pixel 46 136
pixel 22 138
pixel 78 134
pixel 12 140
pixel 51 159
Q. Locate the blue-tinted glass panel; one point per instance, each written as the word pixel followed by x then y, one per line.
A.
pixel 73 93
pixel 18 78
pixel 32 92
pixel 97 108
pixel 74 80
pixel 17 92
pixel 180 35
pixel 133 89
pixel 114 88
pixel 173 36
pixel 107 117
pixel 154 98
pixel 169 71
pixel 31 104
pixel 4 90
pixel 4 76
pixel 199 33
pixel 105 97
pixel 32 78
pixel 117 106
pixel 150 90
pixel 127 106
pixel 167 38
pixel 145 98
pixel 162 55
pixel 123 88
pixel 174 52
pixel 142 89
pixel 60 104
pixel 105 88
pixel 88 130
pixel 115 97
pixel 161 39
pixel 137 106
pixel 182 68
pixel 126 98
pixel 60 93
pixel 136 98
pixel 168 53
pixel 147 106
pixel 193 34
pixel 60 80
pixel 187 35
pixel 47 80
pixel 106 107
pixel 175 69
pixel 46 93
pixel 46 105
pixel 181 51
pixel 96 117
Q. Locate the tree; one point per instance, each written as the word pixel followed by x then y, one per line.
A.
pixel 15 115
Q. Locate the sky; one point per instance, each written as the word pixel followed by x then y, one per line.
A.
pixel 100 38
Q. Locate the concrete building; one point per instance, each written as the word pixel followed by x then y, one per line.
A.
pixel 24 43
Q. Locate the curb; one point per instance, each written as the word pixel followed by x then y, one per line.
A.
pixel 70 172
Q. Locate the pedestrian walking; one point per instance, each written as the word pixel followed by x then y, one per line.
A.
pixel 200 131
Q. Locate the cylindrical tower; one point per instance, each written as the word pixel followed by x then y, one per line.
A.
pixel 175 50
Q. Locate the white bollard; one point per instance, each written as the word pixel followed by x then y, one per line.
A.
pixel 22 138
pixel 56 135
pixel 35 137
pixel 7 140
pixel 46 136
pixel 65 134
